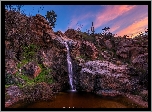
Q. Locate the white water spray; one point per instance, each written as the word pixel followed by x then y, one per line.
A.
pixel 70 72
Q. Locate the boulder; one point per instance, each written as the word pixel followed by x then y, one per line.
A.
pixel 10 66
pixel 100 76
pixel 141 61
pixel 31 69
pixel 88 50
pixel 13 95
pixel 144 95
pixel 108 44
pixel 13 79
pixel 55 59
pixel 129 49
pixel 108 93
pixel 40 91
pixel 107 55
pixel 73 34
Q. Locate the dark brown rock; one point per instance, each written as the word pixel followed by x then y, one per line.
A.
pixel 73 34
pixel 10 66
pixel 108 44
pixel 141 61
pixel 108 93
pixel 13 95
pixel 31 69
pixel 88 50
pixel 40 91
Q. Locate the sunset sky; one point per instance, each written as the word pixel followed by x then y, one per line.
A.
pixel 122 19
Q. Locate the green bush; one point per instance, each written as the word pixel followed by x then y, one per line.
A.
pixel 29 52
pixel 22 63
pixel 44 76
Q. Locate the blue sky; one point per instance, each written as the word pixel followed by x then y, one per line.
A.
pixel 122 19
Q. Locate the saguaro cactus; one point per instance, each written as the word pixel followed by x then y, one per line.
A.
pixel 92 29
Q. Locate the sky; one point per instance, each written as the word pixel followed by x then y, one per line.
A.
pixel 121 19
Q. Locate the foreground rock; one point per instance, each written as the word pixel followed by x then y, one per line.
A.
pixel 40 91
pixel 12 95
pixel 105 78
pixel 137 99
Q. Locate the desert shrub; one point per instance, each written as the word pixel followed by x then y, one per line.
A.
pixel 44 76
pixel 87 37
pixel 29 52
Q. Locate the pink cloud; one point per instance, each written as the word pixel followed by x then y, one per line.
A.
pixel 76 19
pixel 110 13
pixel 135 28
pixel 114 28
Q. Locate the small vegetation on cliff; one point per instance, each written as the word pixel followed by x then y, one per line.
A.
pixel 34 57
pixel 29 52
pixel 20 79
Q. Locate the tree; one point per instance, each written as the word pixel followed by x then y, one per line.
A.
pixel 51 17
pixel 105 29
pixel 9 6
pixel 19 7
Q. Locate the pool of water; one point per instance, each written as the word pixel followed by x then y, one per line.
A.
pixel 73 99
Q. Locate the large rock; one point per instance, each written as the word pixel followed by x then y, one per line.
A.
pixel 99 76
pixel 107 55
pixel 21 30
pixel 141 61
pixel 88 50
pixel 108 44
pixel 55 59
pixel 13 95
pixel 144 95
pixel 13 79
pixel 10 66
pixel 31 69
pixel 40 91
pixel 130 48
pixel 73 34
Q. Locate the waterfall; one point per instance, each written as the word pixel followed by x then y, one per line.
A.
pixel 70 72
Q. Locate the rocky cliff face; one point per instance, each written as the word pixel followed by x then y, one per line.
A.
pixel 105 66
pixel 112 66
pixel 23 31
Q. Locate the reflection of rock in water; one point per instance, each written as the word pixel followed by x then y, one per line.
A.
pixel 84 100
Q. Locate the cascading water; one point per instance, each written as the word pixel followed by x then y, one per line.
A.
pixel 70 72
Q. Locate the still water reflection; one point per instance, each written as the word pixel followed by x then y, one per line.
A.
pixel 83 100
